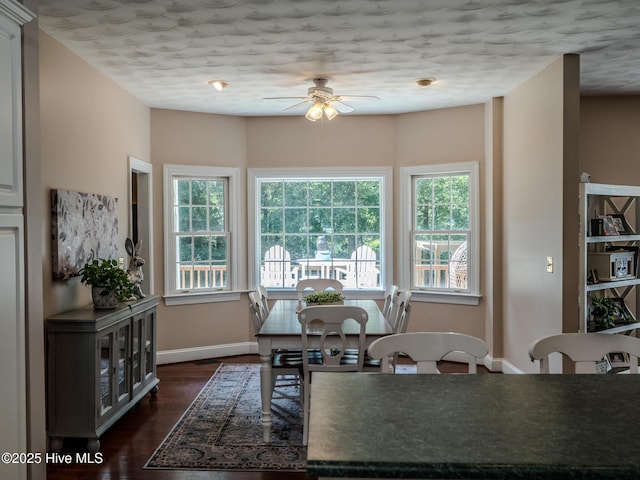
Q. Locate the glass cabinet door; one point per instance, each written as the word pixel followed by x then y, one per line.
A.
pixel 106 359
pixel 122 363
pixel 149 340
pixel 136 354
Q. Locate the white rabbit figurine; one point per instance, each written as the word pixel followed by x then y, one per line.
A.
pixel 134 271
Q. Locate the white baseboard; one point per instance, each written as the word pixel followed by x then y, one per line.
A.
pixel 210 351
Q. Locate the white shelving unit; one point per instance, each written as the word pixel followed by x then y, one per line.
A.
pixel 598 199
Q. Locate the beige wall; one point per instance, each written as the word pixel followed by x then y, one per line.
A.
pixel 434 137
pixel 183 138
pixel 534 220
pixel 609 140
pixel 89 126
pixel 345 141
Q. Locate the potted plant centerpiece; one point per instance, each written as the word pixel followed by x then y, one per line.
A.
pixel 324 298
pixel 109 283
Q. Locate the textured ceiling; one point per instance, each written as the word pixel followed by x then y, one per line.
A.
pixel 165 51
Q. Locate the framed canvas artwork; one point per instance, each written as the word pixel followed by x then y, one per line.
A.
pixel 84 227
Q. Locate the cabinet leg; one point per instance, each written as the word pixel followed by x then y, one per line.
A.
pixel 154 391
pixel 55 444
pixel 93 445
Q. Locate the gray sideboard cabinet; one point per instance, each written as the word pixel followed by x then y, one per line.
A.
pixel 100 363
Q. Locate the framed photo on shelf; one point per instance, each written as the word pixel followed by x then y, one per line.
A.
pixel 618 359
pixel 621 224
pixel 608 225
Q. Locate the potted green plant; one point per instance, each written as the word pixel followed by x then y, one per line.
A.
pixel 109 283
pixel 605 312
pixel 324 298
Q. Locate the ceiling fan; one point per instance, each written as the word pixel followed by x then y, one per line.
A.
pixel 323 101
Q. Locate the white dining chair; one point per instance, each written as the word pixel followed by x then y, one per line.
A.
pixel 308 285
pixel 326 323
pixel 389 299
pixel 261 290
pixel 286 364
pixel 427 348
pixel 585 349
pixel 399 316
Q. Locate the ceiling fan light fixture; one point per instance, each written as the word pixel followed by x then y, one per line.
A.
pixel 218 84
pixel 330 111
pixel 315 112
pixel 425 82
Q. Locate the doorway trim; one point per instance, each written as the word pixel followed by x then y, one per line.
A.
pixel 144 174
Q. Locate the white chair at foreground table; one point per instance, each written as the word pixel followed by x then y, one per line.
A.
pixel 585 349
pixel 327 322
pixel 427 348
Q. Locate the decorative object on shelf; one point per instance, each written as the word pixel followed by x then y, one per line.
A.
pixel 608 226
pixel 607 312
pixel 613 266
pixel 109 283
pixel 618 359
pixel 324 298
pixel 597 227
pixel 84 226
pixel 621 224
pixel 134 270
pixel 627 248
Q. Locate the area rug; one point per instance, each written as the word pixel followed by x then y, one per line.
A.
pixel 221 429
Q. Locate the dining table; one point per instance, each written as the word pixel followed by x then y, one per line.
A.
pixel 485 426
pixel 281 330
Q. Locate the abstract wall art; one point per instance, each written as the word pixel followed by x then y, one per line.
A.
pixel 84 227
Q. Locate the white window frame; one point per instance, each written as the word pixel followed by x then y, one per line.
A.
pixel 407 174
pixel 254 175
pixel 173 296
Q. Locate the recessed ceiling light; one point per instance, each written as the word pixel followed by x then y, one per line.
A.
pixel 218 84
pixel 425 82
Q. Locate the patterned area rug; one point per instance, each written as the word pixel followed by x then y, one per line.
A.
pixel 221 429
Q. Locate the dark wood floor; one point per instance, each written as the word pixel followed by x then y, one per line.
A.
pixel 127 445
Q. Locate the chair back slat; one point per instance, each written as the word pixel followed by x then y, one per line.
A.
pixel 328 322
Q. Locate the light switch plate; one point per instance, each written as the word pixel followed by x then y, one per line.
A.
pixel 549 264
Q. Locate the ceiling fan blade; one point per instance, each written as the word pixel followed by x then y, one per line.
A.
pixel 283 98
pixel 308 100
pixel 342 107
pixel 358 97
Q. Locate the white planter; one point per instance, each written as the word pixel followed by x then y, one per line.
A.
pixel 103 298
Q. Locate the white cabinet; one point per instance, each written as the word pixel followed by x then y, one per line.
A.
pixel 13 414
pixel 609 222
pixel 12 16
